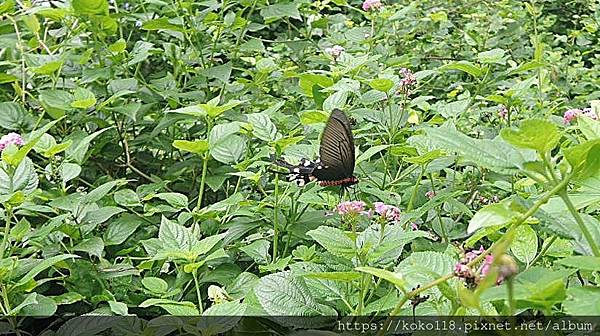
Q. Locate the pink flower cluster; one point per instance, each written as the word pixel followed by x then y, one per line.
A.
pixel 430 194
pixel 11 138
pixel 389 212
pixel 469 274
pixel 335 51
pixel 350 207
pixel 502 112
pixel 408 80
pixel 572 114
pixel 371 4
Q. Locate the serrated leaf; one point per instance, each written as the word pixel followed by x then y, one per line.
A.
pixel 536 134
pixel 333 240
pixel 496 214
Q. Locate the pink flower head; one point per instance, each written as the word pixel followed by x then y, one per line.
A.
pixel 414 226
pixel 335 51
pixel 371 4
pixel 503 112
pixel 408 79
pixel 350 207
pixel 390 212
pixel 11 138
pixel 430 194
pixel 571 115
pixel 487 264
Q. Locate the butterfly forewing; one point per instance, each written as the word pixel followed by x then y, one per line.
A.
pixel 337 149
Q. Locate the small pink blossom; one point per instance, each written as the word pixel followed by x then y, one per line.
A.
pixel 11 138
pixel 503 112
pixel 430 194
pixel 414 226
pixel 371 4
pixel 390 212
pixel 350 207
pixel 571 115
pixel 335 51
pixel 487 264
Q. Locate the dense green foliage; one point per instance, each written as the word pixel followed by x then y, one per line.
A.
pixel 143 183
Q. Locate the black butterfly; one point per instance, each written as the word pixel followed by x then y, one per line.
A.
pixel 336 163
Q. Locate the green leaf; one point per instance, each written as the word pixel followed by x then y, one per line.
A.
pixel 83 98
pixel 156 285
pixel 464 66
pixel 262 126
pixel 127 198
pixel 537 134
pixel 140 52
pixel 224 317
pixel 277 11
pixel 118 308
pixel 101 215
pixel 308 80
pixel 490 215
pixel 24 178
pixel 589 127
pixel 333 240
pixel 283 294
pixel 584 158
pixel 229 150
pixel 183 308
pixel 56 102
pixel 220 72
pixel 162 24
pixel 196 146
pixel 258 250
pixel 92 246
pixel 99 192
pixel 423 267
pixel 90 7
pixel 495 155
pixel 41 266
pixel 118 47
pixel 176 200
pixel 121 228
pixel 12 116
pixel 492 56
pixel 47 68
pixel 582 301
pixel 584 263
pixel 44 306
pixel 391 277
pixel 336 101
pixel 336 276
pixel 30 299
pixel 80 147
pixel 381 84
pixel 525 244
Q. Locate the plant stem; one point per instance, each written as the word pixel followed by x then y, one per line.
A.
pixel 543 251
pixel 586 233
pixel 415 190
pixel 8 216
pixel 276 218
pixel 195 276
pixel 202 181
pixel 511 296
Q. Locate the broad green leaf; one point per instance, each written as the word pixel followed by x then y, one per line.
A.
pixel 42 265
pixel 464 66
pixel 333 240
pixel 393 278
pixel 589 127
pixel 584 158
pixel 140 52
pixel 92 246
pixel 525 245
pixel 120 229
pixel 80 147
pixel 24 178
pixel 30 299
pixel 258 250
pixel 262 126
pixel 490 215
pixel 220 72
pixel 99 192
pixel 336 100
pixel 583 301
pixel 584 263
pixel 101 215
pixel 313 117
pixel 536 134
pixel 118 308
pixel 56 102
pixel 118 46
pixel 336 276
pixel 423 267
pixel 370 152
pixel 12 116
pixel 308 80
pixel 182 308
pixel 229 150
pixel 44 307
pixel 224 317
pixel 280 10
pixel 162 24
pixel 83 98
pixel 90 7
pixel 381 84
pixel 196 146
pixel 156 285
pixel 176 200
pixel 127 198
pixel 282 294
pixel 492 56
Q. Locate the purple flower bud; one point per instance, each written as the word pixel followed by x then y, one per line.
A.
pixel 570 115
pixel 503 112
pixel 350 207
pixel 335 51
pixel 371 4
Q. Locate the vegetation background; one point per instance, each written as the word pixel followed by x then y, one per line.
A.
pixel 138 136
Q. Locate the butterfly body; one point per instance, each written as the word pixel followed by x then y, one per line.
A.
pixel 335 166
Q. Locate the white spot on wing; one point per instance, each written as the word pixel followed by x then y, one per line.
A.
pixel 300 182
pixel 296 170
